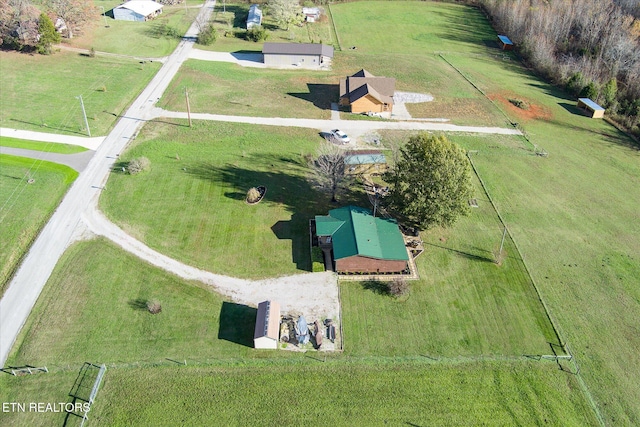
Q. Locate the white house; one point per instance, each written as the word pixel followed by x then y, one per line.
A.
pixel 267 330
pixel 137 10
pixel 255 17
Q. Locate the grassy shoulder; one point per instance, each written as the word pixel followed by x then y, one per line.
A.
pixel 27 207
pixel 191 204
pixel 33 84
pixel 41 146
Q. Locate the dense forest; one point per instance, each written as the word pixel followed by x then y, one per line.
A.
pixel 591 47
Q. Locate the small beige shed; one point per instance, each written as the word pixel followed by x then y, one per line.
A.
pixel 592 109
pixel 267 330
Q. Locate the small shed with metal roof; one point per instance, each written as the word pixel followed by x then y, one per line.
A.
pixel 254 19
pixel 362 243
pixel 505 42
pixel 267 329
pixel 297 55
pixel 592 109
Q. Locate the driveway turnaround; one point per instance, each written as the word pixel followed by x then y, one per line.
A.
pixel 89 143
pixel 24 289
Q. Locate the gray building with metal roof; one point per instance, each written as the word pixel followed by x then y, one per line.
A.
pixel 297 55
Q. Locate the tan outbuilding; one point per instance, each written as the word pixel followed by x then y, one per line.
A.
pixel 267 325
pixel 592 109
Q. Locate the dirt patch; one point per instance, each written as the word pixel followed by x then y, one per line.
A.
pixel 533 110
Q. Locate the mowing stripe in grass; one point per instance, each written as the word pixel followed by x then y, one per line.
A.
pixel 49 147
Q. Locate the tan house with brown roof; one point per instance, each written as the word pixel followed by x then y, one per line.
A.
pixel 365 93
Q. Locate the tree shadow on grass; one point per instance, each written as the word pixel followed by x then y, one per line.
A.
pixel 463 254
pixel 377 287
pixel 138 304
pixel 237 323
pixel 321 95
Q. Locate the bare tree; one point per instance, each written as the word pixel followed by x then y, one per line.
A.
pixel 285 12
pixel 328 169
pixel 73 12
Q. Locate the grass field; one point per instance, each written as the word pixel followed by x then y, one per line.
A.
pixel 200 177
pixel 311 393
pixel 38 92
pixel 24 207
pixel 40 146
pixel 136 38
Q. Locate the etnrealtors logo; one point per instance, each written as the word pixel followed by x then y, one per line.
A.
pixel 45 407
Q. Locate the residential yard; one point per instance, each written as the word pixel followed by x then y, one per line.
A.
pixel 573 215
pixel 144 39
pixel 191 205
pixel 39 92
pixel 24 207
pixel 230 21
pixel 463 304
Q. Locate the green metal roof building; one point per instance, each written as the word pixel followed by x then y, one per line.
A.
pixel 362 243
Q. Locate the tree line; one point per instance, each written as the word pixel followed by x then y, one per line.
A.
pixel 591 47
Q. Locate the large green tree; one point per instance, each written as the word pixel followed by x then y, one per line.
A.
pixel 48 35
pixel 430 183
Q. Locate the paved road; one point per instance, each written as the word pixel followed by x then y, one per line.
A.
pixel 77 161
pixel 44 254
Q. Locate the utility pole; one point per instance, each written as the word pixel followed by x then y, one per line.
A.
pixel 105 17
pixel 504 233
pixel 84 114
pixel 186 95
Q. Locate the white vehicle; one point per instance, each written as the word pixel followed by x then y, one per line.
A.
pixel 340 136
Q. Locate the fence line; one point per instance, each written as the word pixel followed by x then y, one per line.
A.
pixel 554 325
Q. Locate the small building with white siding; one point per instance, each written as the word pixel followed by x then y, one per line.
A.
pixel 254 19
pixel 137 10
pixel 267 331
pixel 297 55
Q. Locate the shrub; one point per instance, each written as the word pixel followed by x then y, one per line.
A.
pixel 523 105
pixel 575 83
pixel 398 287
pixel 317 259
pixel 138 165
pixel 257 34
pixel 92 53
pixel 154 307
pixel 208 35
pixel 253 195
pixel 590 91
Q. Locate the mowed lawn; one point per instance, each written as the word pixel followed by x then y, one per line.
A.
pixel 39 92
pixel 574 215
pixel 463 304
pixel 191 205
pixel 340 393
pixel 94 308
pixel 25 208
